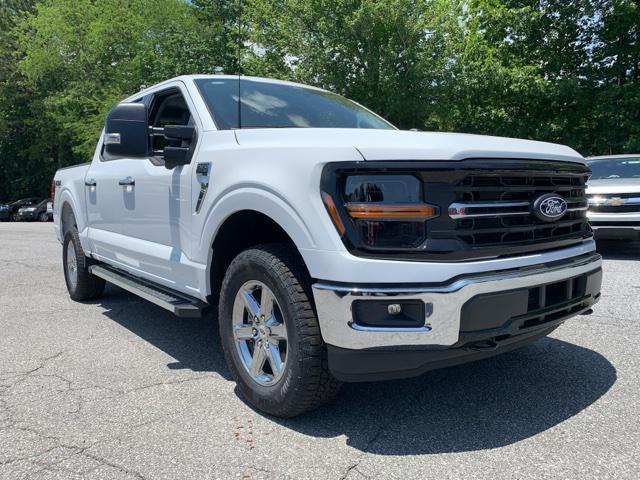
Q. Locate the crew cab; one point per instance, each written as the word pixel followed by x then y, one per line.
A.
pixel 330 246
pixel 614 197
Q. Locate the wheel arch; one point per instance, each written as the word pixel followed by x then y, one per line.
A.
pixel 231 238
pixel 68 217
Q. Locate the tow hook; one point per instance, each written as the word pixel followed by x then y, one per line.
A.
pixel 483 346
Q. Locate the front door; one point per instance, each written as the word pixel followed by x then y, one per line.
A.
pixel 156 207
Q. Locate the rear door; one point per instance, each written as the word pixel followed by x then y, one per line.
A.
pixel 104 200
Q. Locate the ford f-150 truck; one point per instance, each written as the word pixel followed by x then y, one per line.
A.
pixel 335 247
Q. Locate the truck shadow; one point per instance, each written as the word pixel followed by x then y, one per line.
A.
pixel 482 405
pixel 193 342
pixel 619 249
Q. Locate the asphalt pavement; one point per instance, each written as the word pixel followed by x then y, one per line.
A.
pixel 120 389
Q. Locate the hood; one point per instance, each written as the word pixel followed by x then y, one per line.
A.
pixel 613 185
pixel 406 145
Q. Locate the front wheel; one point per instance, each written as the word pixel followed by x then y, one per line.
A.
pixel 270 334
pixel 81 284
pixel 43 217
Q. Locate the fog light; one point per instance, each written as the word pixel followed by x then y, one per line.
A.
pixel 383 313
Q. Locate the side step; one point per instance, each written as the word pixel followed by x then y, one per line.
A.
pixel 177 303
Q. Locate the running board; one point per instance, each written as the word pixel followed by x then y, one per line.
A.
pixel 177 303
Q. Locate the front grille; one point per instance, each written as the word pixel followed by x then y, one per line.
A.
pixel 498 206
pixel 615 203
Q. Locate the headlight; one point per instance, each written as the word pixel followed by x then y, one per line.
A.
pixel 30 209
pixel 384 211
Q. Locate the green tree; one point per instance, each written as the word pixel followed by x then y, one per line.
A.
pixel 387 54
pixel 88 55
pixel 616 68
pixel 559 70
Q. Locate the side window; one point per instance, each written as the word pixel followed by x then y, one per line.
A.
pixel 169 108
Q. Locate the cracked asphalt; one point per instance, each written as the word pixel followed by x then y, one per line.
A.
pixel 120 389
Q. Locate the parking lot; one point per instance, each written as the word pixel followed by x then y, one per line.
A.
pixel 120 388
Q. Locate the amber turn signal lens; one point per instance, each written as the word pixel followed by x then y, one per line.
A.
pixel 390 212
pixel 333 213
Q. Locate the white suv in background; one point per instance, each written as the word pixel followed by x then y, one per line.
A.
pixel 614 196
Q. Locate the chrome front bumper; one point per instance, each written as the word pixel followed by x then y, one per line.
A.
pixel 615 225
pixel 442 325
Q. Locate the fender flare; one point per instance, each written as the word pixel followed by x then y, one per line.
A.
pixel 250 199
pixel 259 200
pixel 67 197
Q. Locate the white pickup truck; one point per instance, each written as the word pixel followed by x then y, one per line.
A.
pixel 335 247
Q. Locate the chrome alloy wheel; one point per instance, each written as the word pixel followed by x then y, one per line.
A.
pixel 72 264
pixel 260 333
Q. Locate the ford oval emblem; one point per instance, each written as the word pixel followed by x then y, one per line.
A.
pixel 549 207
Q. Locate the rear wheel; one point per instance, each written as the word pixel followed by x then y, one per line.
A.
pixel 81 284
pixel 270 334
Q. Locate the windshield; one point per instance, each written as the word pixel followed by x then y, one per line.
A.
pixel 274 105
pixel 627 167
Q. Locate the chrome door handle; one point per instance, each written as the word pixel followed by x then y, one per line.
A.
pixel 125 182
pixel 90 183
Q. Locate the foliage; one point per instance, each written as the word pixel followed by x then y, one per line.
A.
pixel 566 71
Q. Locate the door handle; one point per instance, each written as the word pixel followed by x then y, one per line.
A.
pixel 90 182
pixel 126 182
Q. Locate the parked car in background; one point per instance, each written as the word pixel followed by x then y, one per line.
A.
pixel 5 214
pixel 614 196
pixel 36 210
pixel 9 211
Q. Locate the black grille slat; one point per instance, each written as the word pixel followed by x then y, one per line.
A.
pixel 511 228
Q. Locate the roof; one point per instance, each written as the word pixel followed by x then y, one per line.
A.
pixel 613 157
pixel 243 77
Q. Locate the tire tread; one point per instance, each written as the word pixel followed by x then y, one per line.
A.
pixel 89 286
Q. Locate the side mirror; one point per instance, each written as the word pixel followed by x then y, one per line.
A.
pixel 174 156
pixel 126 130
pixel 179 132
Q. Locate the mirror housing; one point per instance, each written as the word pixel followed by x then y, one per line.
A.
pixel 127 131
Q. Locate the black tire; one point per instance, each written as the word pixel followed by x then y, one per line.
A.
pixel 84 286
pixel 306 382
pixel 15 217
pixel 43 217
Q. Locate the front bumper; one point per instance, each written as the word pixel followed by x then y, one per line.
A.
pixel 615 226
pixel 472 310
pixel 27 215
